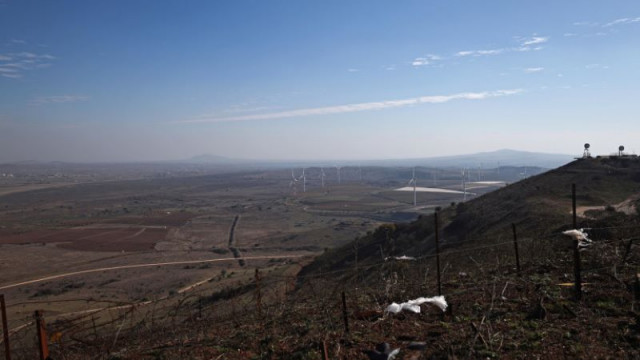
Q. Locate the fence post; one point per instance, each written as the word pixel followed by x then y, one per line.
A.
pixel 515 245
pixel 344 313
pixel 438 253
pixel 5 328
pixel 42 336
pixel 325 351
pixel 576 249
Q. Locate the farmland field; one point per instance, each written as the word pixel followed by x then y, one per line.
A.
pixel 74 248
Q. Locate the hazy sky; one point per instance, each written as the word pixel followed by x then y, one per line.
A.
pixel 150 80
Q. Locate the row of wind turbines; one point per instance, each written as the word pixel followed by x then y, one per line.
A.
pixel 414 182
pixel 303 178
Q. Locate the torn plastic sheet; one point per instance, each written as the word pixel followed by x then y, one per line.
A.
pixel 414 305
pixel 401 258
pixel 582 237
pixel 382 352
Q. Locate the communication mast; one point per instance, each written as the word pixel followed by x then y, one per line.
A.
pixel 586 153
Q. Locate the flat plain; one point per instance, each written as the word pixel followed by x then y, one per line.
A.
pixel 72 245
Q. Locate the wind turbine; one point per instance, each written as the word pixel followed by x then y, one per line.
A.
pixel 322 176
pixel 304 182
pixel 464 185
pixel 338 168
pixel 293 183
pixel 413 181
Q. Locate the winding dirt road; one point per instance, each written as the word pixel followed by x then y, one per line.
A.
pixel 135 266
pixel 232 241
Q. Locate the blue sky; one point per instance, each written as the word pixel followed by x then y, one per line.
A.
pixel 155 80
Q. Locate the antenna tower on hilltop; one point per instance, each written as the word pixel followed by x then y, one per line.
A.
pixel 586 153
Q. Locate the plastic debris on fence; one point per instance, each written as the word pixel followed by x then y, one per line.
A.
pixel 582 237
pixel 414 305
pixel 400 258
pixel 382 352
pixel 394 308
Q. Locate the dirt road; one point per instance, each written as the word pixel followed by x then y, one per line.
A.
pixel 135 266
pixel 232 240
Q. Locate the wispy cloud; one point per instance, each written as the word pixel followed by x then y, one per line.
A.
pixel 525 44
pixel 59 99
pixel 535 40
pixel 425 60
pixel 533 69
pixel 30 55
pixel 585 23
pixel 353 70
pixel 10 75
pixel 622 21
pixel 609 26
pixel 349 108
pixel 480 52
pixel 22 62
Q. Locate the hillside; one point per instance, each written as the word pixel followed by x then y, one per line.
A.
pixel 539 205
pixel 497 312
pixel 335 304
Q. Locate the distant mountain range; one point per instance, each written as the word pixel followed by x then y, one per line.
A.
pixel 213 159
pixel 492 159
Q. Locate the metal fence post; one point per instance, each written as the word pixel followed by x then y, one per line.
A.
pixel 515 245
pixel 5 329
pixel 344 313
pixel 42 336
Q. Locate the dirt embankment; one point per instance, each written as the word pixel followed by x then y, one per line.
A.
pixel 627 207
